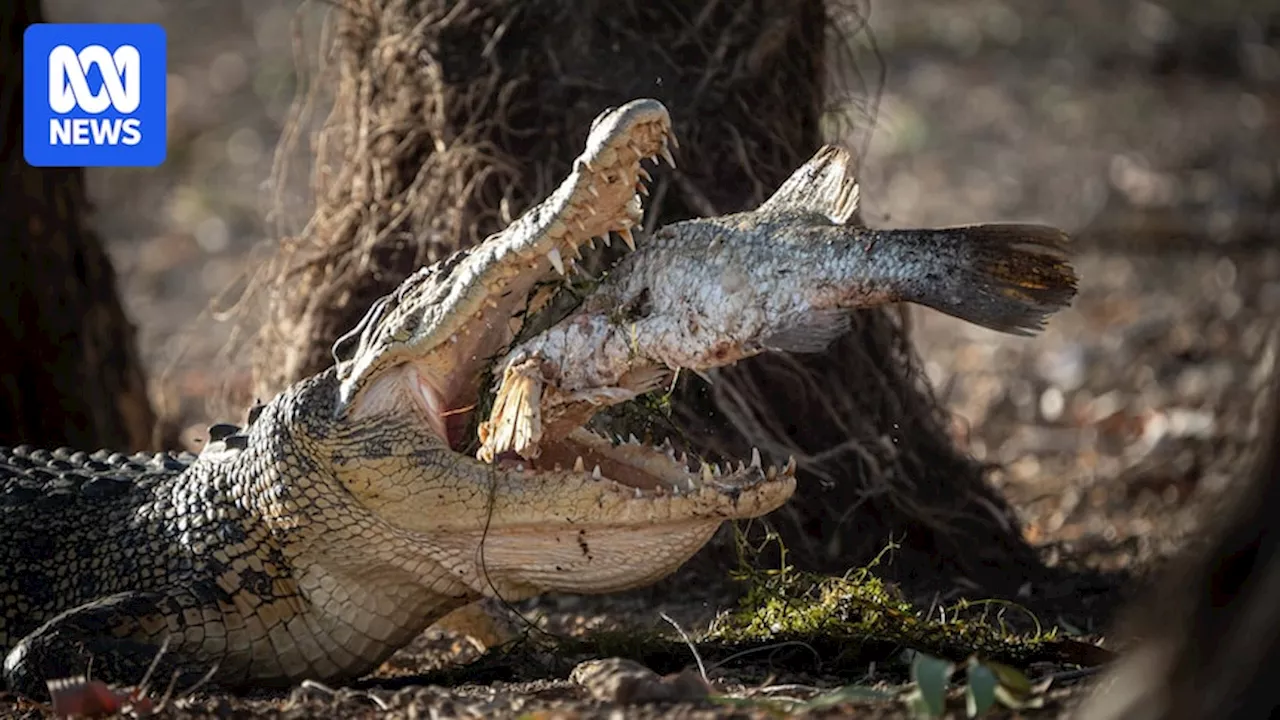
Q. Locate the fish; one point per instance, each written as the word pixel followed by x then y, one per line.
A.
pixel 785 277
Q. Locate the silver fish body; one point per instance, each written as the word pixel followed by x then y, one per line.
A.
pixel 705 293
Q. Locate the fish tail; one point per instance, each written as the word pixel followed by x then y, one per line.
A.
pixel 1006 277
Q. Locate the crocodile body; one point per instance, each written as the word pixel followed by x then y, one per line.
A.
pixel 349 512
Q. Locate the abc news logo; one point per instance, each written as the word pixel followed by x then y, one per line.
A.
pixel 94 95
pixel 69 89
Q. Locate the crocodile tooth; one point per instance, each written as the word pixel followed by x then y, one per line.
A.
pixel 595 473
pixel 558 468
pixel 453 338
pixel 556 261
pixel 675 141
pixel 707 474
pixel 591 187
pixel 607 240
pixel 755 457
pixel 772 473
pixel 578 465
pixel 633 439
pixel 666 153
pixel 742 467
pixel 625 234
pixel 791 465
pixel 642 189
pixel 582 227
pixel 639 493
pixel 684 459
pixel 717 470
pixel 689 481
pixel 645 174
pixel 675 489
pixel 591 243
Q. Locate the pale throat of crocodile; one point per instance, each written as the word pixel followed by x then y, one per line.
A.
pixel 407 388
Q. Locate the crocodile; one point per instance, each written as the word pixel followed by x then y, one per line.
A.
pixel 708 292
pixel 346 515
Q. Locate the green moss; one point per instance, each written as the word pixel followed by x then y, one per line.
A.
pixel 859 611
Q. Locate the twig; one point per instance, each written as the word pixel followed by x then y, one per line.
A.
pixel 702 669
pixel 155 661
pixel 775 646
pixel 189 691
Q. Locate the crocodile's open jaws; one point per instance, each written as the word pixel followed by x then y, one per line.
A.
pixel 407 358
pixel 349 513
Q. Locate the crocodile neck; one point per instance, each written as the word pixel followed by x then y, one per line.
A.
pixel 250 522
pixel 352 585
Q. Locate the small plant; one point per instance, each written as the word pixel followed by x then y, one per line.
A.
pixel 987 683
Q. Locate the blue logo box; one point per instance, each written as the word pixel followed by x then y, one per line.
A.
pixel 94 95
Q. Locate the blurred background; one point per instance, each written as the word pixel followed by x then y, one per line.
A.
pixel 1146 129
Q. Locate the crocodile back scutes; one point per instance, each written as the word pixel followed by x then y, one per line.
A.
pixel 33 476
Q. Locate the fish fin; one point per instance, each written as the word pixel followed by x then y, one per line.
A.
pixel 1007 277
pixel 825 185
pixel 810 333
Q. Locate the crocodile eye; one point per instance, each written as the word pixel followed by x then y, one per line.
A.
pixel 344 348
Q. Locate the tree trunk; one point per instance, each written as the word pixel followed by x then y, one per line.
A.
pixel 480 107
pixel 69 373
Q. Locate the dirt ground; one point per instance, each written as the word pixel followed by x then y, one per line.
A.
pixel 1149 131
